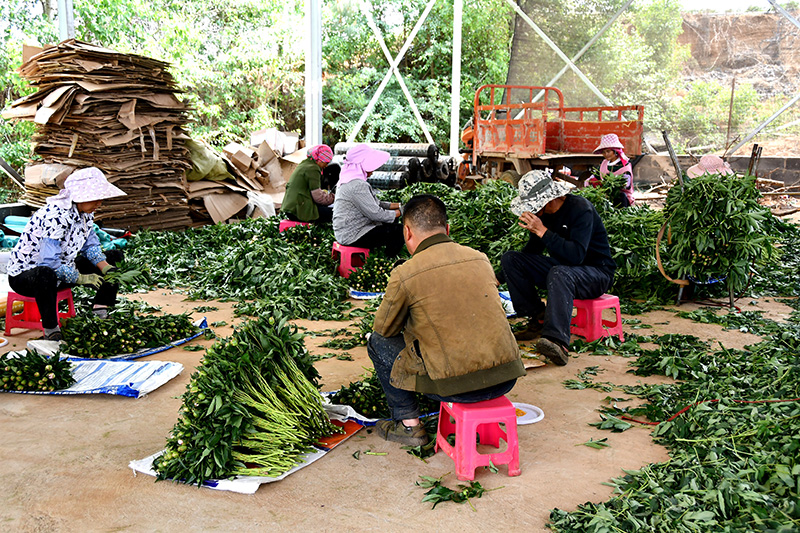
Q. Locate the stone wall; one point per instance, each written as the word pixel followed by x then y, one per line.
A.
pixel 651 168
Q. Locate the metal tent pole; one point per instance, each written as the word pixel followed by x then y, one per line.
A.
pixel 313 74
pixel 66 20
pixel 392 68
pixel 455 89
pixel 558 52
pixel 766 123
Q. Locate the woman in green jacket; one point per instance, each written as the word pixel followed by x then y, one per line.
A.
pixel 305 201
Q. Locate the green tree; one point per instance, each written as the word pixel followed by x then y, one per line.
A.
pixel 355 66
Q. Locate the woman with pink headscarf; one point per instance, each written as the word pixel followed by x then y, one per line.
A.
pixel 615 162
pixel 59 249
pixel 359 218
pixel 305 200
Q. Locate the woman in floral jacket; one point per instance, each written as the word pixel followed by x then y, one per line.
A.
pixel 59 249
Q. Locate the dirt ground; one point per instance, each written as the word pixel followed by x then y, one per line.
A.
pixel 65 459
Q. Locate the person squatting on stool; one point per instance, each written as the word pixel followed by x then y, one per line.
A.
pixel 441 329
pixel 59 249
pixel 305 200
pixel 359 218
pixel 579 264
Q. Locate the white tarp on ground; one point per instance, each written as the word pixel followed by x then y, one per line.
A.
pixel 122 378
pixel 240 484
pixel 250 484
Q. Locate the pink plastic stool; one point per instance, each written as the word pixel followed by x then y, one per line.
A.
pixel 483 419
pixel 350 258
pixel 589 322
pixel 29 317
pixel 286 224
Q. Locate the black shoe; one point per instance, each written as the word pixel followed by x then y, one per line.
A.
pixel 554 351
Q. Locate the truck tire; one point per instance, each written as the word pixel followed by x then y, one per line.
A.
pixel 510 176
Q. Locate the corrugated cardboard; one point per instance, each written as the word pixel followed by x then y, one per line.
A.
pixel 223 206
pixel 47 174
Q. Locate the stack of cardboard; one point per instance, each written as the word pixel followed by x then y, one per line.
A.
pixel 222 185
pixel 117 112
pixel 253 174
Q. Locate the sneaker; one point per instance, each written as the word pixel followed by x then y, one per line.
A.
pixel 100 312
pixel 54 336
pixel 396 431
pixel 554 351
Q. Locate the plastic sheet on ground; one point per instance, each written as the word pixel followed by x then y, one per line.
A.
pixel 507 305
pixel 250 484
pixel 49 348
pixel 364 295
pixel 133 379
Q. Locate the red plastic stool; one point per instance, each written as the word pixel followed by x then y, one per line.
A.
pixel 350 258
pixel 483 419
pixel 589 322
pixel 29 317
pixel 286 224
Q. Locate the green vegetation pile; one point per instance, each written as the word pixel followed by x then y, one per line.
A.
pixel 251 408
pixel 123 332
pixel 33 371
pixel 718 229
pixel 731 423
pixel 480 218
pixel 366 396
pixel 373 276
pixel 267 272
pixel 779 277
pixel 632 235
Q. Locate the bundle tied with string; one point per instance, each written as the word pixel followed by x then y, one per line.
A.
pixel 716 231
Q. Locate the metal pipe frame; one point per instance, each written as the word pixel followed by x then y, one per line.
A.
pixel 558 52
pixel 313 74
pixel 392 70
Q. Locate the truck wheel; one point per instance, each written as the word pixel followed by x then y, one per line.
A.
pixel 510 176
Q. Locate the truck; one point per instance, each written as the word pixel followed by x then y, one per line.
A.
pixel 510 137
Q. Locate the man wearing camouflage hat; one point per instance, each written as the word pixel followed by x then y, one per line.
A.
pixel 578 265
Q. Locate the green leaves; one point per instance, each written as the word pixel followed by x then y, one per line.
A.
pixel 439 493
pixel 251 408
pixel 367 397
pixel 123 332
pixel 479 218
pixel 33 371
pixel 596 444
pixel 718 229
pixel 373 276
pixel 613 423
pixel 731 426
pixel 289 274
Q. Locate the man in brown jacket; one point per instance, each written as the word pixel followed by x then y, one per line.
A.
pixel 441 329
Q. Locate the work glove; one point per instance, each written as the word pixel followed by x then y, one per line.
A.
pixel 108 268
pixel 95 280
